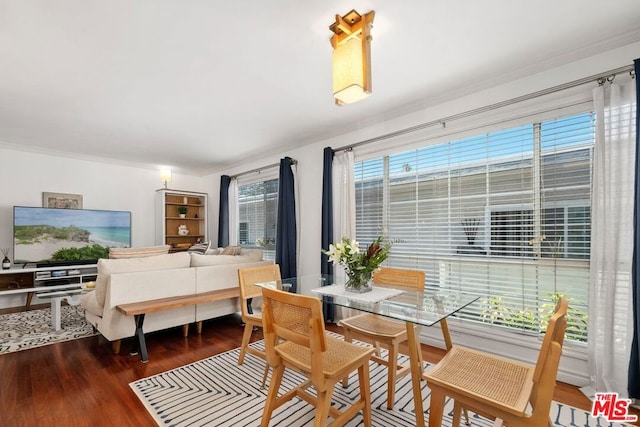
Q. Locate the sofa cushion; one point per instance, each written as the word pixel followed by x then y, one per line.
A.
pixel 107 267
pixel 248 255
pixel 118 253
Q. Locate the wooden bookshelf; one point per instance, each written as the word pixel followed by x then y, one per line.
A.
pixel 169 204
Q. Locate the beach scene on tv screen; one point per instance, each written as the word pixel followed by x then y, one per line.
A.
pixel 42 234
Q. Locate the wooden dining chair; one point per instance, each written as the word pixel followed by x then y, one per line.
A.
pixel 384 332
pixel 496 387
pixel 295 338
pixel 247 278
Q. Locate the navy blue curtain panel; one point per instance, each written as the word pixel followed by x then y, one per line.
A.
pixel 286 229
pixel 634 362
pixel 223 215
pixel 327 222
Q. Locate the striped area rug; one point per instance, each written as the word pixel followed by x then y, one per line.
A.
pixel 217 392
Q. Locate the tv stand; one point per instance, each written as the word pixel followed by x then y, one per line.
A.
pixel 33 281
pixel 65 274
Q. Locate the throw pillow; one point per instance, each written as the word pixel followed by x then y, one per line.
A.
pixel 119 253
pixel 231 250
pixel 200 248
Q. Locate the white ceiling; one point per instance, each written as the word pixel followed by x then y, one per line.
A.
pixel 201 84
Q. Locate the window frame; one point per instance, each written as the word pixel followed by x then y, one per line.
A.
pixel 267 241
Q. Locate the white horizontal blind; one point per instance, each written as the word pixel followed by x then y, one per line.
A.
pixel 504 214
pixel 257 215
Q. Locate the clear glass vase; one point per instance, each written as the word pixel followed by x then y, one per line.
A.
pixel 358 282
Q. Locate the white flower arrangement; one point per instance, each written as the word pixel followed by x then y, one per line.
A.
pixel 358 266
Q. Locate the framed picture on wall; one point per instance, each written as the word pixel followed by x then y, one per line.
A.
pixel 61 200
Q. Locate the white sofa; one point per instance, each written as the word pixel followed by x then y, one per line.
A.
pixel 122 281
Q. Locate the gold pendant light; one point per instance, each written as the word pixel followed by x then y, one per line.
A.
pixel 351 44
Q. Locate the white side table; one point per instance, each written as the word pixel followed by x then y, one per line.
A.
pixel 56 308
pixel 72 295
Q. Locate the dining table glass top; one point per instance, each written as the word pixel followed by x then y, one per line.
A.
pixel 423 307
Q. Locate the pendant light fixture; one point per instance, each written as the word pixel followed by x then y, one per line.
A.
pixel 351 44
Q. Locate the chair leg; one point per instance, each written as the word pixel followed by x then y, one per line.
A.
pixel 466 417
pixel 457 412
pixel 347 338
pixel 246 337
pixel 272 395
pixel 378 352
pixel 392 366
pixel 322 410
pixel 116 346
pixel 436 408
pixel 264 376
pixel 365 393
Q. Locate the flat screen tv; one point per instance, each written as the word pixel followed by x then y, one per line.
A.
pixel 72 236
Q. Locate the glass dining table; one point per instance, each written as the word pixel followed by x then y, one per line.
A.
pixel 426 307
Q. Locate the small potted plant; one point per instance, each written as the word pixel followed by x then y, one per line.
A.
pixel 182 211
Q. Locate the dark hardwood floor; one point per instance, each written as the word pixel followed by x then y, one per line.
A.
pixel 82 383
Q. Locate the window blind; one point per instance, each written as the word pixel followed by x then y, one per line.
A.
pixel 257 215
pixel 504 215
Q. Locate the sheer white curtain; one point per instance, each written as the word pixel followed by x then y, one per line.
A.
pixel 344 209
pixel 344 201
pixel 233 212
pixel 610 312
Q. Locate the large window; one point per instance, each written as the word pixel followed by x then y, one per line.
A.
pixel 258 211
pixel 504 214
